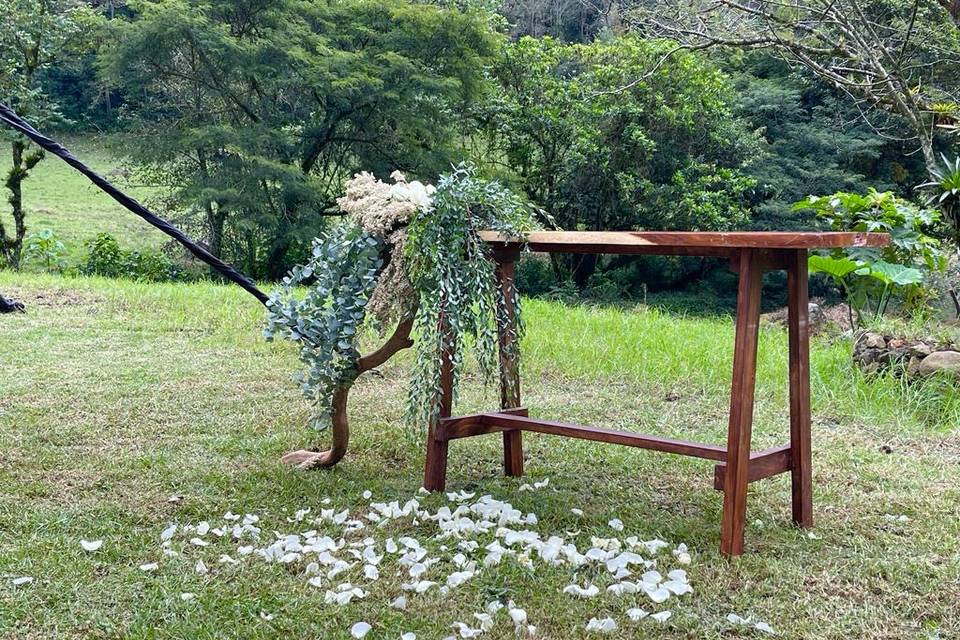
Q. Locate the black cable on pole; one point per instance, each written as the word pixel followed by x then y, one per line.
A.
pixel 9 116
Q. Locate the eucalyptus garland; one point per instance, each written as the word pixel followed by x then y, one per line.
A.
pixel 423 245
pixel 325 321
pixel 453 275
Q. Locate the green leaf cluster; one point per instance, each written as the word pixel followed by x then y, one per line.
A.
pixel 338 279
pixel 869 276
pixel 460 301
pixel 253 115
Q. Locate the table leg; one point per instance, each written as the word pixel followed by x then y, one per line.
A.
pixel 435 472
pixel 741 403
pixel 509 370
pixel 802 482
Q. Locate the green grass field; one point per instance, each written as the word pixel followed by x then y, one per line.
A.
pixel 116 395
pixel 57 197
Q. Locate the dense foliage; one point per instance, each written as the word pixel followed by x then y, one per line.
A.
pixel 601 143
pixel 254 114
pixel 105 257
pixel 249 117
pixel 869 276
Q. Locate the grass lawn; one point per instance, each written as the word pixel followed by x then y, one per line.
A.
pixel 57 197
pixel 116 395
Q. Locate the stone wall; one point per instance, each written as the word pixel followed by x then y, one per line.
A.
pixel 874 352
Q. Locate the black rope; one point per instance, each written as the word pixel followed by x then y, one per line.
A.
pixel 9 116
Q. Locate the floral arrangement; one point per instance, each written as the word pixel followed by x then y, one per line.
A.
pixel 406 253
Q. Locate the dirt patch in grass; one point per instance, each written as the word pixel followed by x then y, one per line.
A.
pixel 55 298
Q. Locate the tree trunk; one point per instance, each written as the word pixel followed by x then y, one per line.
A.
pixel 12 247
pixel 340 431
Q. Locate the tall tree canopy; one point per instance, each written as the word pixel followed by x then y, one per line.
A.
pixel 601 142
pixel 254 112
pixel 35 35
pixel 895 58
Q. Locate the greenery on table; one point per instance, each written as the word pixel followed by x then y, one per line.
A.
pixel 452 271
pixel 455 297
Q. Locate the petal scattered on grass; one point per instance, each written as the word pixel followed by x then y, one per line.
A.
pixel 582 592
pixel 602 625
pixel 21 581
pixel 360 629
pixel 148 567
pixel 662 617
pixel 91 545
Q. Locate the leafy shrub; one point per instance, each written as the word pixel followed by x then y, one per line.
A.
pixel 106 258
pixel 535 276
pixel 870 276
pixel 946 192
pixel 45 248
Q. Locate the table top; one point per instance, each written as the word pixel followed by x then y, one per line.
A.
pixel 686 242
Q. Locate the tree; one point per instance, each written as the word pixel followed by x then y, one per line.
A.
pixel 663 152
pixel 254 113
pixel 895 58
pixel 813 140
pixel 35 35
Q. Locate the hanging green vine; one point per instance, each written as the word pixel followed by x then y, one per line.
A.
pixel 453 275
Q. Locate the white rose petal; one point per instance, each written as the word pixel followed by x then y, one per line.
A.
pixel 266 616
pixel 150 566
pixel 409 635
pixel 576 512
pixel 636 614
pixel 167 533
pixel 22 580
pixel 360 629
pixel 582 592
pixel 186 596
pixel 616 524
pixel 399 603
pixel 519 616
pixel 602 625
pixel 91 545
pixel 662 617
pixel 466 631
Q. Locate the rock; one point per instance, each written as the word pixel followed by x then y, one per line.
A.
pixel 913 367
pixel 816 317
pixel 948 361
pixel 920 350
pixel 874 341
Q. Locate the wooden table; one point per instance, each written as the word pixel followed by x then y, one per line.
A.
pixel 750 254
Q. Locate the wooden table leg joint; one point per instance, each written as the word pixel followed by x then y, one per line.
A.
pixel 763 464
